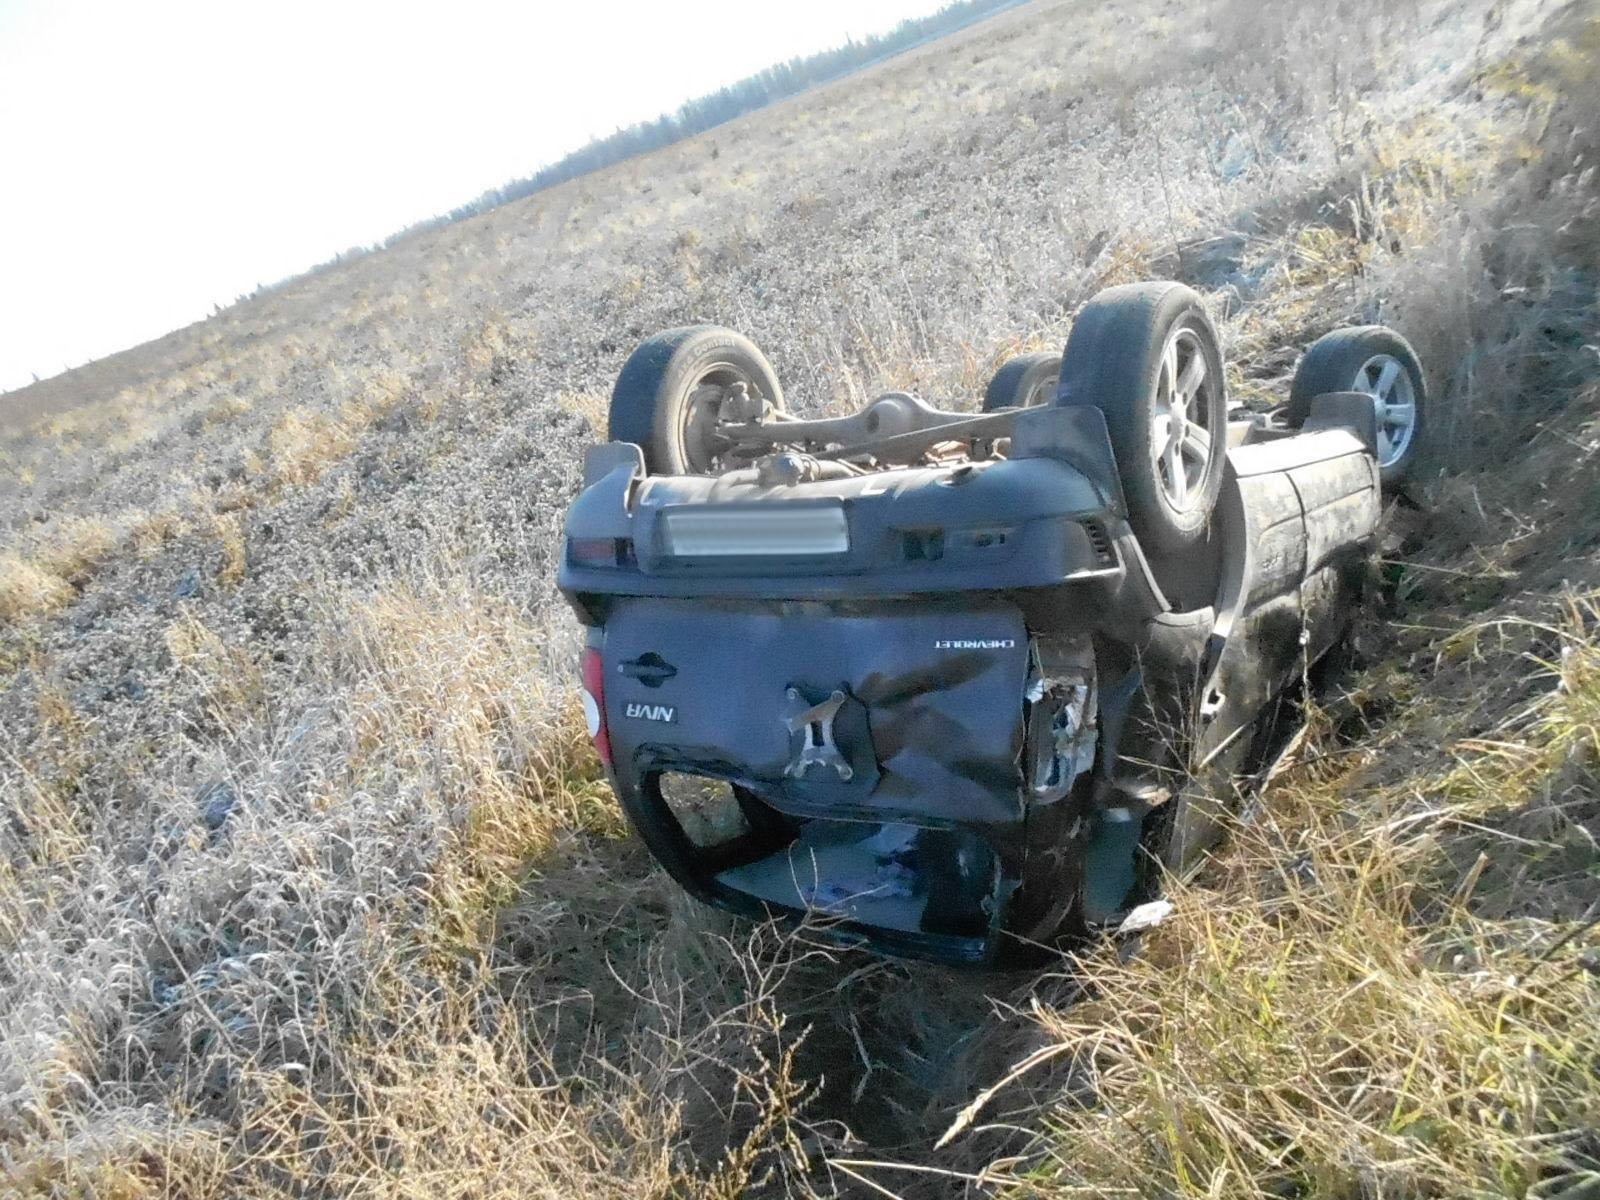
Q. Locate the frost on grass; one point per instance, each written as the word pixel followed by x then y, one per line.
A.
pixel 310 886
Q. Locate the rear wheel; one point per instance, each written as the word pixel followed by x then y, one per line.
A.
pixel 1378 361
pixel 669 395
pixel 1024 382
pixel 1146 354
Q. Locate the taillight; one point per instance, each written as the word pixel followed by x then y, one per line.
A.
pixel 594 703
pixel 600 552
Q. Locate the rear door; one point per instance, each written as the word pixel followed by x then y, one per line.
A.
pixel 711 686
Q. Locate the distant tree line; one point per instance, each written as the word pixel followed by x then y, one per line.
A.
pixel 768 86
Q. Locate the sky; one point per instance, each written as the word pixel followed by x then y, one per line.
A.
pixel 163 156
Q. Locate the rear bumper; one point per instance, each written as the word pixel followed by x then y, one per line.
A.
pixel 1032 524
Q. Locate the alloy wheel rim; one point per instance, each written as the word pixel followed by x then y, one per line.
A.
pixel 1181 439
pixel 1041 392
pixel 1386 379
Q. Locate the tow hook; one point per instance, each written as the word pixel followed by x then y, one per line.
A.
pixel 815 726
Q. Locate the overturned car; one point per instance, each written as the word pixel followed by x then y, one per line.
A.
pixel 960 684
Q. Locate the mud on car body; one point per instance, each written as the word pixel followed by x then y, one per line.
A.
pixel 961 685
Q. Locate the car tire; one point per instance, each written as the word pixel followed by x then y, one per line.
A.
pixel 1378 361
pixel 658 403
pixel 1132 350
pixel 1024 382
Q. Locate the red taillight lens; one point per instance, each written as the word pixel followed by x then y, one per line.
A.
pixel 594 703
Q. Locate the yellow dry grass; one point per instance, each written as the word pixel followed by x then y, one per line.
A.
pixel 1347 1015
pixel 27 588
pixel 310 885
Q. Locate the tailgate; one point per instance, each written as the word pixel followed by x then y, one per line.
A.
pixel 930 724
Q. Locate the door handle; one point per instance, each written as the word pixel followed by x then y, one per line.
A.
pixel 649 669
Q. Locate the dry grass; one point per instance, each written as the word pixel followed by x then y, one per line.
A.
pixel 27 588
pixel 308 881
pixel 45 575
pixel 593 407
pixel 1335 1013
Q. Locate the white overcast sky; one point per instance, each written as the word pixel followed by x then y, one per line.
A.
pixel 161 156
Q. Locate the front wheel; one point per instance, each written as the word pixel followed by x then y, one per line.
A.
pixel 1026 381
pixel 1147 355
pixel 1378 361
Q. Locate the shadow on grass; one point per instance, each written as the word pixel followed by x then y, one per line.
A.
pixel 610 960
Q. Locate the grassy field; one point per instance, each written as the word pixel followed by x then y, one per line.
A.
pixel 309 885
